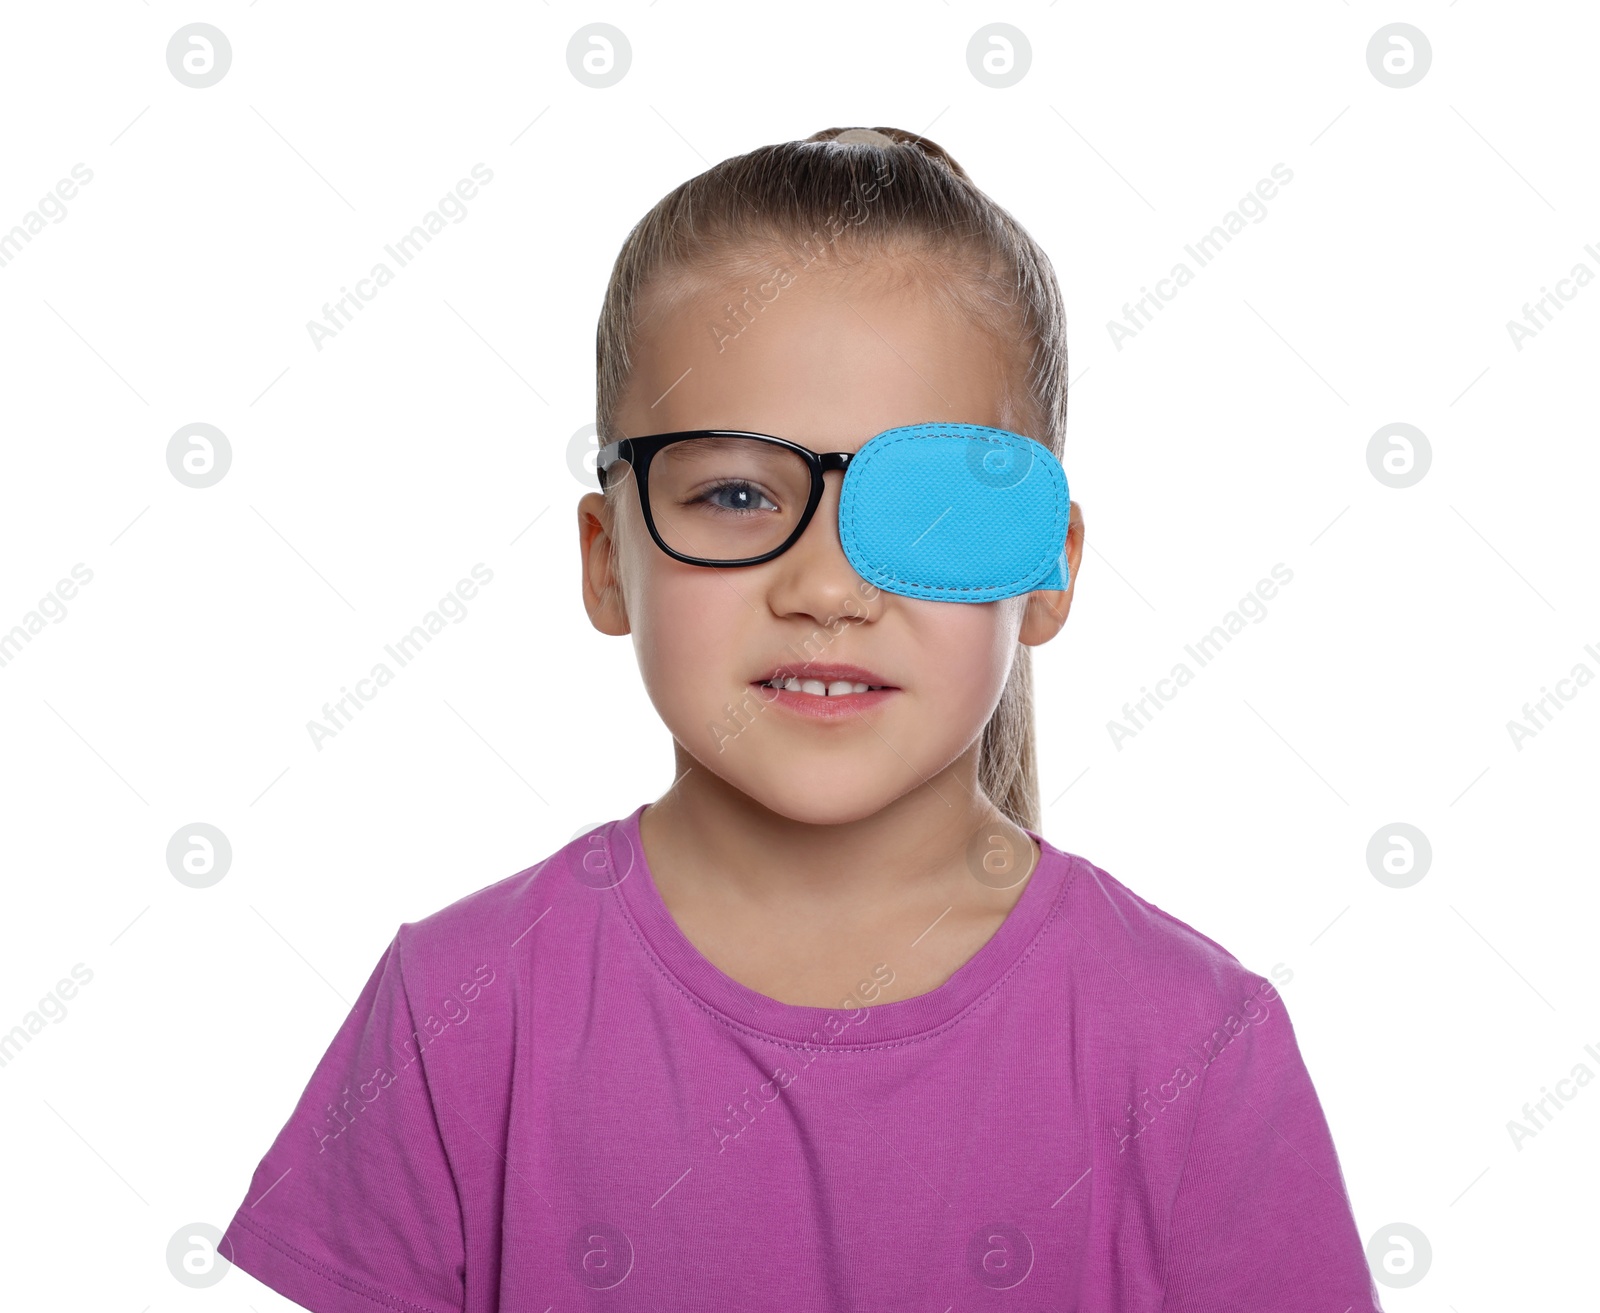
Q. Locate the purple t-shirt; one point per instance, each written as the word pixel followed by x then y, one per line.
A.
pixel 547 1098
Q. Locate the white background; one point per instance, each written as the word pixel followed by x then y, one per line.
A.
pixel 434 433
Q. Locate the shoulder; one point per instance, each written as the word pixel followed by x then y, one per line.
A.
pixel 1161 965
pixel 492 923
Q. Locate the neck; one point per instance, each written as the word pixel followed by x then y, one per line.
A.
pixel 705 838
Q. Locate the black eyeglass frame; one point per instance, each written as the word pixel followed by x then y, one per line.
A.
pixel 639 452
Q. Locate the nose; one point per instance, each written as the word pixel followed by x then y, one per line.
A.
pixel 814 577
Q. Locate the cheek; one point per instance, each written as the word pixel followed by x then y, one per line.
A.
pixel 684 623
pixel 964 652
pixel 687 626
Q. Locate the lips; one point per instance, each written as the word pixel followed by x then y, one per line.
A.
pixel 826 672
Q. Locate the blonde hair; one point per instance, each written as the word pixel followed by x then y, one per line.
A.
pixel 878 192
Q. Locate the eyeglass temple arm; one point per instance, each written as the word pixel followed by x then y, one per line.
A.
pixel 609 455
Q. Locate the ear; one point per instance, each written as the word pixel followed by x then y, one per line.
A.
pixel 602 585
pixel 1048 607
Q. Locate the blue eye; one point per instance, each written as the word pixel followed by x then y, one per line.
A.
pixel 743 498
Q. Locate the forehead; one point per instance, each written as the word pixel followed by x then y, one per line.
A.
pixel 825 355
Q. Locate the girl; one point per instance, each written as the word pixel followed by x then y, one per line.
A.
pixel 830 1025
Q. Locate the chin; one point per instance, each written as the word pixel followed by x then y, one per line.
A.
pixel 826 791
pixel 821 811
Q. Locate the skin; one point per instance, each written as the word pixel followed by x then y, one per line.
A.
pixel 798 855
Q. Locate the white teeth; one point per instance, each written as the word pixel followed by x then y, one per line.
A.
pixel 816 687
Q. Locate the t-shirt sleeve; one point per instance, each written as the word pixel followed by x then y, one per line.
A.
pixel 354 1209
pixel 1261 1219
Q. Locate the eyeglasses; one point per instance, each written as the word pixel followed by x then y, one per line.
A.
pixel 723 497
pixel 954 512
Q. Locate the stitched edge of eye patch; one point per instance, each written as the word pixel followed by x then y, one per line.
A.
pixel 850 535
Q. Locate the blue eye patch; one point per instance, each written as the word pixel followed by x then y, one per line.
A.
pixel 955 513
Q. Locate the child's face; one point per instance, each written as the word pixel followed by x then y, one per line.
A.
pixel 828 362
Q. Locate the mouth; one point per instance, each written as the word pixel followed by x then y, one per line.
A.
pixel 813 679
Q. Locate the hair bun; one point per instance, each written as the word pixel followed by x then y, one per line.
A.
pixel 887 139
pixel 864 137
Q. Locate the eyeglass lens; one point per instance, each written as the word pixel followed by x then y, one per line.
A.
pixel 727 499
